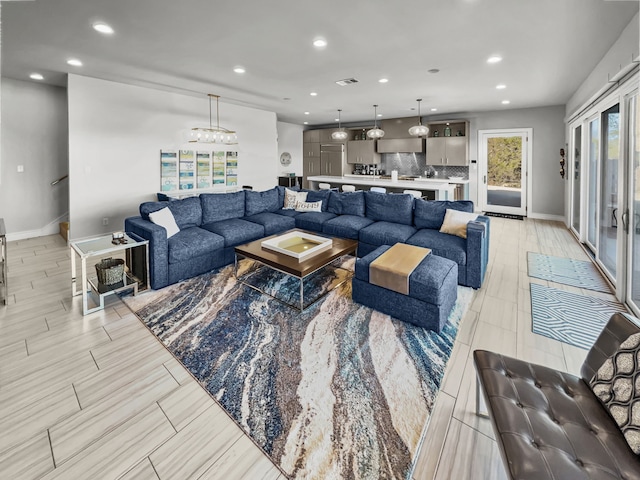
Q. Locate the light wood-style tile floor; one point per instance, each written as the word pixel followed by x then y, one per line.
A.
pixel 98 397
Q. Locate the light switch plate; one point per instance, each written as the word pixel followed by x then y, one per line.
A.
pixel 20 168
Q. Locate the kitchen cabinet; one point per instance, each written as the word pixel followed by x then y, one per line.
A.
pixel 443 150
pixel 310 136
pixel 362 151
pixel 311 149
pixel 404 145
pixel 310 166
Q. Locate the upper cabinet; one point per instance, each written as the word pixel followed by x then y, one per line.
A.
pixel 309 136
pixel 311 149
pixel 402 145
pixel 362 151
pixel 398 127
pixel 448 143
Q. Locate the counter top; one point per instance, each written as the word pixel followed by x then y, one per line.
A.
pixel 421 179
pixel 422 184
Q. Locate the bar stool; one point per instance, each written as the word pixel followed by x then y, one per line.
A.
pixel 324 186
pixel 348 188
pixel 378 189
pixel 415 193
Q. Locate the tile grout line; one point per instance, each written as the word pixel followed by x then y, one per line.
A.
pixel 53 458
pixel 94 359
pixel 76 394
pixel 166 416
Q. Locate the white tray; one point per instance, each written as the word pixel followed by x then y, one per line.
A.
pixel 298 244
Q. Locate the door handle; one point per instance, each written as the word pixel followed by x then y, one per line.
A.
pixel 625 221
pixel 484 179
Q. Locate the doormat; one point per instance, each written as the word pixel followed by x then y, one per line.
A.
pixel 504 215
pixel 339 391
pixel 569 317
pixel 568 271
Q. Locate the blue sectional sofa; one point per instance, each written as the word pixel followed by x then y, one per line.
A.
pixel 211 225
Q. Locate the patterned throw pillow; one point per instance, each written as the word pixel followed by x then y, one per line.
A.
pixel 309 206
pixel 291 198
pixel 617 385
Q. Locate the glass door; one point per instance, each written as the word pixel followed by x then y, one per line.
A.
pixel 631 219
pixel 592 182
pixel 503 167
pixel 576 185
pixel 609 213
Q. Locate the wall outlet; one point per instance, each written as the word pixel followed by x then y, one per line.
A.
pixel 105 221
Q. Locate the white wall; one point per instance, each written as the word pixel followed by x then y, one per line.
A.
pixel 290 140
pixel 116 132
pixel 548 139
pixel 34 134
pixel 622 54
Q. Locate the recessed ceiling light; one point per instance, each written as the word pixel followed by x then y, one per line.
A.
pixel 239 69
pixel 379 115
pixel 336 119
pixel 306 123
pixel 314 94
pixel 74 62
pixel 434 109
pixel 306 113
pixel 103 28
pixel 506 102
pixel 383 80
pixel 320 42
pixel 494 59
pixel 36 76
pixel 433 70
pixel 502 86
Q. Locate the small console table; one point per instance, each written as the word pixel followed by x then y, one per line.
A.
pixel 136 275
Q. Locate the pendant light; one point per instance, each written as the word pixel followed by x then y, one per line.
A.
pixel 375 132
pixel 340 135
pixel 419 130
pixel 213 134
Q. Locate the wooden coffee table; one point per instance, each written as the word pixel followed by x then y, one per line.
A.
pixel 291 265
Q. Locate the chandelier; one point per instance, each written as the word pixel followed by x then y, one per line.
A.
pixel 213 134
pixel 419 130
pixel 340 135
pixel 375 132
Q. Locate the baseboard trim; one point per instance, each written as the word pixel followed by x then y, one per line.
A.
pixel 49 229
pixel 545 216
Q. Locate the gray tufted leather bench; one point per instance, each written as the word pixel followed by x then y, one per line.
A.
pixel 549 424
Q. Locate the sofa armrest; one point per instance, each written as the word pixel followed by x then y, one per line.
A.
pixel 477 250
pixel 158 248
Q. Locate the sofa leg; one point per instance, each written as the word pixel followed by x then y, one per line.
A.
pixel 481 406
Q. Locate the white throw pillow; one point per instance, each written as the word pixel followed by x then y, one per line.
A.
pixel 164 218
pixel 309 206
pixel 291 198
pixel 455 222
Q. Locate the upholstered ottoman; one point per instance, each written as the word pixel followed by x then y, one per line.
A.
pixel 433 291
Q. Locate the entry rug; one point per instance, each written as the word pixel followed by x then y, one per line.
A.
pixel 339 391
pixel 577 273
pixel 569 317
pixel 504 215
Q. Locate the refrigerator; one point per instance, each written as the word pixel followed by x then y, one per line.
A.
pixel 332 159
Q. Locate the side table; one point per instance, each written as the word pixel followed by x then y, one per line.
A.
pixel 136 274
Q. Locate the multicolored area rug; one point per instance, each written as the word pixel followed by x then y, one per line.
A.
pixel 569 317
pixel 337 392
pixel 577 273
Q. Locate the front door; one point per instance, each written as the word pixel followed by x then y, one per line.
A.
pixel 503 163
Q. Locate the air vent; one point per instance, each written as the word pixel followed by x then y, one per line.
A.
pixel 346 81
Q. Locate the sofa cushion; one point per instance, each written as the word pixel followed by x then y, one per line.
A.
pixel 281 191
pixel 313 220
pixel 455 222
pixel 346 203
pixel 272 222
pixel 292 197
pixel 222 206
pixel 430 214
pixel 441 244
pixel 236 231
pixel 319 195
pixel 187 211
pixel 309 206
pixel 386 233
pixel 346 226
pixel 287 213
pixel 193 242
pixel 389 207
pixel 258 202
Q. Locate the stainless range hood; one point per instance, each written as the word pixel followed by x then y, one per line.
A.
pixel 400 145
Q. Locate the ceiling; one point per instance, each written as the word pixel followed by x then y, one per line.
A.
pixel 548 49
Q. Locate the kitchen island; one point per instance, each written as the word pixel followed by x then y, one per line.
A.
pixel 432 189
